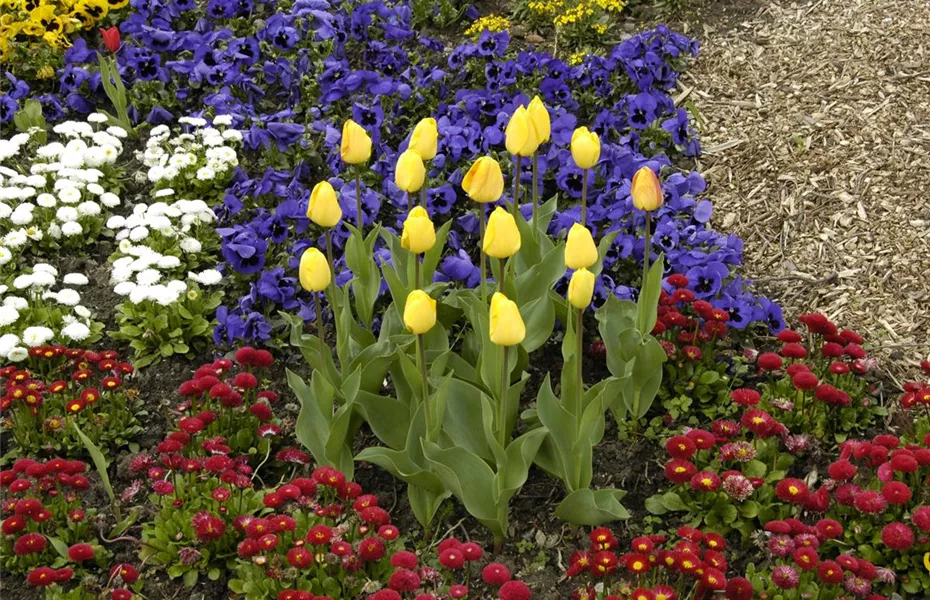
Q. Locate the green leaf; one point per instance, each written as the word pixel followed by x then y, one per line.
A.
pixel 654 505
pixel 755 469
pixel 648 302
pixel 213 574
pixel 591 508
pixel 673 501
pixel 190 578
pixel 60 547
pixel 749 509
pixel 101 465
pixel 432 256
pixel 366 279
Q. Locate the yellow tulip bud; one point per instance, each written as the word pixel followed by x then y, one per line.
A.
pixel 424 139
pixel 356 145
pixel 502 238
pixel 419 234
pixel 646 191
pixel 507 328
pixel 484 181
pixel 580 251
pixel 324 209
pixel 419 312
pixel 315 274
pixel 409 172
pixel 520 137
pixel 539 117
pixel 581 288
pixel 586 148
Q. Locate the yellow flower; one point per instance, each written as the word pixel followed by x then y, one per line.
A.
pixel 315 273
pixel 425 138
pixel 492 23
pixel 507 328
pixel 927 561
pixel 409 173
pixel 45 72
pixel 580 251
pixel 645 189
pixel 419 233
pixel 520 137
pixel 502 238
pixel 419 312
pixel 484 181
pixel 324 209
pixel 586 148
pixel 356 145
pixel 539 118
pixel 581 288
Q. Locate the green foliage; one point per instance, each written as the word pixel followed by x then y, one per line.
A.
pixel 100 463
pixel 116 92
pixel 29 119
pixel 437 13
pixel 156 331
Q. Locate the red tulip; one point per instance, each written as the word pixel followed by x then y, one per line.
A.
pixel 111 38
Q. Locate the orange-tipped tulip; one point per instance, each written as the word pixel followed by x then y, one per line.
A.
pixel 484 181
pixel 646 190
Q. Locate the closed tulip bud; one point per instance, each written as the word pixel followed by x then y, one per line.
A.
pixel 646 191
pixel 419 312
pixel 507 328
pixel 324 209
pixel 315 273
pixel 539 117
pixel 419 234
pixel 424 139
pixel 410 172
pixel 580 251
pixel 502 238
pixel 520 136
pixel 356 145
pixel 484 181
pixel 586 148
pixel 581 288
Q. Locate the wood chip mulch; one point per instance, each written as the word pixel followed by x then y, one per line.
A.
pixel 815 121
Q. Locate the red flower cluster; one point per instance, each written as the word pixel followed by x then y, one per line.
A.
pixel 657 562
pixel 58 381
pixel 688 327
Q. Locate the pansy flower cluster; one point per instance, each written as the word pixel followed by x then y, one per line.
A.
pixel 43 515
pixel 57 196
pixel 688 565
pixel 817 382
pixel 56 386
pixel 34 313
pixel 733 476
pixel 805 561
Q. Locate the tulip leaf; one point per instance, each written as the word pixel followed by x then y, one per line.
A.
pixel 100 463
pixel 366 279
pixel 539 318
pixel 592 507
pixel 561 425
pixel 648 302
pixel 316 353
pixel 388 417
pixel 536 281
pixel 319 419
pixel 470 479
pixel 373 363
pixel 425 502
pixel 463 422
pixel 432 256
pixel 602 248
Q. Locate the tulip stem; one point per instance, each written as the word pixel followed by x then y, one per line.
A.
pixel 502 407
pixel 409 202
pixel 647 249
pixel 421 363
pixel 516 186
pixel 484 277
pixel 358 197
pixel 584 196
pixel 579 396
pixel 535 193
pixel 423 196
pixel 329 252
pixel 319 316
pixel 416 271
pixel 500 280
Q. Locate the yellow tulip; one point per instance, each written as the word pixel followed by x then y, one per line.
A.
pixel 409 172
pixel 356 145
pixel 539 117
pixel 581 288
pixel 419 234
pixel 315 274
pixel 507 328
pixel 324 209
pixel 484 181
pixel 580 251
pixel 502 238
pixel 520 136
pixel 646 191
pixel 586 148
pixel 419 312
pixel 424 139
pixel 927 561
